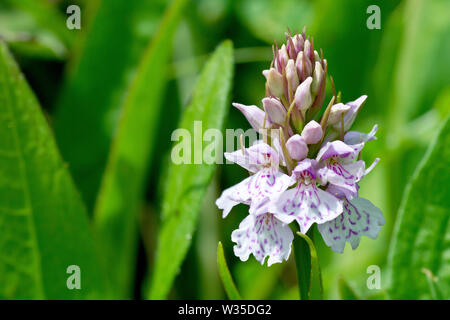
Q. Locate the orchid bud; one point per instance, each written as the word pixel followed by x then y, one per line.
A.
pixel 336 112
pixel 303 99
pixel 312 132
pixel 297 148
pixel 275 82
pixel 291 74
pixel 298 42
pixel 304 66
pixel 275 110
pixel 317 77
pixel 284 56
pixel 308 50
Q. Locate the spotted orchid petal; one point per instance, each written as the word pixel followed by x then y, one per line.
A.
pixel 359 218
pixel 255 116
pixel 234 195
pixel 355 137
pixel 336 148
pixel 306 203
pixel 265 186
pixel 255 157
pixel 351 114
pixel 263 236
pixel 343 176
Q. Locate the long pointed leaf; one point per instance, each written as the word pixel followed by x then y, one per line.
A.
pixel 187 183
pixel 122 187
pixel 43 223
pixel 102 69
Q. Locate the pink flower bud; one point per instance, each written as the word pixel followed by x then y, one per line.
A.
pixel 275 82
pixel 336 111
pixel 304 66
pixel 297 148
pixel 291 75
pixel 312 132
pixel 317 77
pixel 303 99
pixel 275 110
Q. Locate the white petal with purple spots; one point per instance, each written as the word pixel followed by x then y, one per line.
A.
pixel 306 204
pixel 263 236
pixel 360 217
pixel 234 195
pixel 266 185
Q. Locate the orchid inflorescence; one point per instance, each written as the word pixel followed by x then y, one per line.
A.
pixel 302 170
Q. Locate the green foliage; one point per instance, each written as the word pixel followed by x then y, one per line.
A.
pixel 89 108
pixel 308 268
pixel 121 192
pixel 345 291
pixel 44 227
pixel 225 275
pixel 186 183
pixel 422 232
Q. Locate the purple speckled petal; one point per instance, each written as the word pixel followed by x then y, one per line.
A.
pixel 234 195
pixel 355 137
pixel 343 176
pixel 266 185
pixel 263 236
pixel 307 165
pixel 307 204
pixel 336 148
pixel 360 217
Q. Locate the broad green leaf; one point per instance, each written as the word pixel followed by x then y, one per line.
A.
pixel 122 187
pixel 43 222
pixel 345 291
pixel 186 183
pixel 308 268
pixel 97 84
pixel 422 231
pixel 225 275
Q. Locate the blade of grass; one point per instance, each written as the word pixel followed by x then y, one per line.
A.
pixel 225 275
pixel 186 183
pixel 98 78
pixel 119 199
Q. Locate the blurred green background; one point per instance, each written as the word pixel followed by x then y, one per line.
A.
pixel 82 77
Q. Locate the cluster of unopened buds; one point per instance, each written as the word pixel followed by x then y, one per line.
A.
pixel 306 168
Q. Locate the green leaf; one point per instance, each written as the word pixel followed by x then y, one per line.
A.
pixel 116 211
pixel 225 275
pixel 43 223
pixel 97 84
pixel 345 291
pixel 186 183
pixel 422 231
pixel 34 28
pixel 308 268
